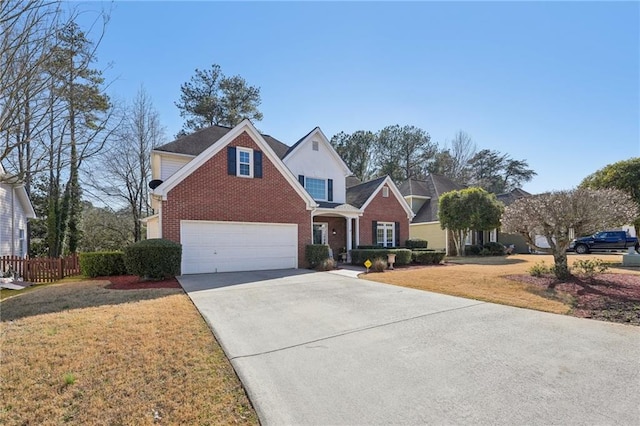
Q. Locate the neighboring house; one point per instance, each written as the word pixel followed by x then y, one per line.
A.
pixel 239 200
pixel 15 210
pixel 422 196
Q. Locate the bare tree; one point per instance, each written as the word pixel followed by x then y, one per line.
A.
pixel 126 163
pixel 555 215
pixel 27 33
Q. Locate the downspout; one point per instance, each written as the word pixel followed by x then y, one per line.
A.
pixel 13 221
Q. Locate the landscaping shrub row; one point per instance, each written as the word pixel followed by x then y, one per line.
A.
pixel 153 259
pixel 488 249
pixel 358 256
pixel 315 254
pixel 427 257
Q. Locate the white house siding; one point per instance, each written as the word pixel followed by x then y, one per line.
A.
pixel 7 234
pixel 319 164
pixel 170 164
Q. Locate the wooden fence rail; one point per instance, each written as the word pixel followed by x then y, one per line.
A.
pixel 41 269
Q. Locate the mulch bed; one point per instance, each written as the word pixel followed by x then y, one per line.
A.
pixel 133 282
pixel 606 297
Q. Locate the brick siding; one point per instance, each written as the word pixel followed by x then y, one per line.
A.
pixel 383 209
pixel 209 193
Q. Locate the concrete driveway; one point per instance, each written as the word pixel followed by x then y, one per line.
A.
pixel 320 348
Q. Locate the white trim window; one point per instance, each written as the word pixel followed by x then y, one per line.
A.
pixel 21 243
pixel 493 235
pixel 320 232
pixel 317 188
pixel 385 191
pixel 245 162
pixel 385 234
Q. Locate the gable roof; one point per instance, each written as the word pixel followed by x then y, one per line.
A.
pixel 361 195
pixel 432 187
pixel 196 143
pixel 509 197
pixel 20 191
pixel 317 134
pixel 213 149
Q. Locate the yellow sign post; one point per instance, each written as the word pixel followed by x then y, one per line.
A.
pixel 367 264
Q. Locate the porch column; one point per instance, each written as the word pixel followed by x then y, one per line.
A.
pixel 357 232
pixel 349 238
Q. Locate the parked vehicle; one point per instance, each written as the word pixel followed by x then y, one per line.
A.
pixel 603 241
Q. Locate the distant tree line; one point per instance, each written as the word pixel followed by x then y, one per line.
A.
pixel 404 152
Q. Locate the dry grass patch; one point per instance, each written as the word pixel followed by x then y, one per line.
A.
pixel 482 278
pixel 81 354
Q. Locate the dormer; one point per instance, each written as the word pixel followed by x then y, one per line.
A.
pixel 319 168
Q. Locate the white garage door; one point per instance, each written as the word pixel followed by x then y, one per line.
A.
pixel 237 246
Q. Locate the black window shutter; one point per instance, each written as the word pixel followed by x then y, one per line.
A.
pixel 397 242
pixel 231 160
pixel 374 232
pixel 257 164
pixel 330 190
pixel 301 180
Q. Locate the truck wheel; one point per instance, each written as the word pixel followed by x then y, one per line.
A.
pixel 582 249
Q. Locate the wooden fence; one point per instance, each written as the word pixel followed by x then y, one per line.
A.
pixel 41 269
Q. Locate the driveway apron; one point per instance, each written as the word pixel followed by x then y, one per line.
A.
pixel 315 348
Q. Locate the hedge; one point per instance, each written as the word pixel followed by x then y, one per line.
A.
pixel 102 263
pixel 416 243
pixel 358 256
pixel 155 258
pixel 315 254
pixel 425 257
pixel 488 249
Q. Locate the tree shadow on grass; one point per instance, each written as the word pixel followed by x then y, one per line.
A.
pixel 70 296
pixel 484 260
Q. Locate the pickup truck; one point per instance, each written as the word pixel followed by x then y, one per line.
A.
pixel 606 240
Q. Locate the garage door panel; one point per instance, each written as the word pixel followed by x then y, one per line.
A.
pixel 233 246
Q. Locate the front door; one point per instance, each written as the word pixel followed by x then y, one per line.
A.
pixel 320 232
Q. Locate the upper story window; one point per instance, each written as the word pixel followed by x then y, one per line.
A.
pixel 385 191
pixel 317 188
pixel 314 145
pixel 245 163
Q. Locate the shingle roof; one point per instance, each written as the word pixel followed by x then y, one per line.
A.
pixel 352 181
pixel 509 197
pixel 432 186
pixel 357 195
pixel 200 140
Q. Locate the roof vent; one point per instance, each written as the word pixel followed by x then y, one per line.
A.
pixel 155 183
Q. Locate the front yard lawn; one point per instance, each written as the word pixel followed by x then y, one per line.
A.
pixel 80 353
pixel 614 296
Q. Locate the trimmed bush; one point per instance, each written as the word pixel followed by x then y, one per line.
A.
pixel 358 256
pixel 425 257
pixel 472 250
pixel 102 263
pixel 494 249
pixel 326 265
pixel 154 259
pixel 315 254
pixel 416 243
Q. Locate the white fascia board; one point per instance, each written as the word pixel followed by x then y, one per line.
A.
pixel 317 132
pixel 148 218
pixel 396 193
pixel 27 207
pixel 425 223
pixel 208 153
pixel 172 154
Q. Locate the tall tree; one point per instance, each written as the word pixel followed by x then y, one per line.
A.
pixel 355 149
pixel 452 160
pixel 210 98
pixel 125 166
pixel 79 87
pixel 497 172
pixel 403 152
pixel 623 175
pixel 555 214
pixel 466 210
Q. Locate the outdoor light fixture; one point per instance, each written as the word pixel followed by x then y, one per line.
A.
pixel 333 231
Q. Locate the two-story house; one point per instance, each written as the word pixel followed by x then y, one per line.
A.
pixel 239 200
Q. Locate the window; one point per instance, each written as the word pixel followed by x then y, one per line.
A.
pixel 493 235
pixel 245 164
pixel 320 233
pixel 314 145
pixel 385 234
pixel 317 188
pixel 21 243
pixel 385 191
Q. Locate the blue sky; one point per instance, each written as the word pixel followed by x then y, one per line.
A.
pixel 554 83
